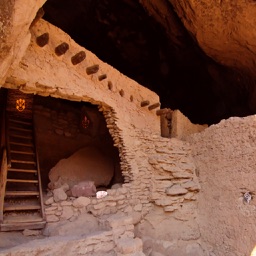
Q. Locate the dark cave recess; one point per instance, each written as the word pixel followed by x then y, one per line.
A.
pixel 60 133
pixel 124 35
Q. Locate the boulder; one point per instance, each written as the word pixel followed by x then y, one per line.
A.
pixel 86 164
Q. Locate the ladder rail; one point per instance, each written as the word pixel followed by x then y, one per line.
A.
pixel 7 139
pixel 22 186
pixel 3 180
pixel 38 170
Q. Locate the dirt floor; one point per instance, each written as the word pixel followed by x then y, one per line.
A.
pixel 83 225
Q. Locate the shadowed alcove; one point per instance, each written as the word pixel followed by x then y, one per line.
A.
pixel 64 129
pixel 161 56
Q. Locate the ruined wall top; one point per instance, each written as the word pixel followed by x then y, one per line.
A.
pixel 56 65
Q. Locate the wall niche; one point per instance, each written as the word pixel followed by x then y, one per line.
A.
pixel 74 144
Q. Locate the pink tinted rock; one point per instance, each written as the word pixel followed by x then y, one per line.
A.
pixel 84 188
pixel 89 163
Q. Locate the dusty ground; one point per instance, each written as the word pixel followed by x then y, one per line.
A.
pixel 83 225
pixel 11 239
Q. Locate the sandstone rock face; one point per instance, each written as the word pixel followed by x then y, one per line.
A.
pixel 87 164
pixel 223 29
pixel 15 18
pixel 225 159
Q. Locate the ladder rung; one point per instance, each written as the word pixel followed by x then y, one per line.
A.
pixel 22 162
pixel 22 170
pixel 22 144
pixel 20 121
pixel 22 181
pixel 22 152
pixel 20 207
pixel 20 129
pixel 21 219
pixel 22 193
pixel 20 136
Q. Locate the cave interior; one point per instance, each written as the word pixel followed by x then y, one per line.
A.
pixel 123 34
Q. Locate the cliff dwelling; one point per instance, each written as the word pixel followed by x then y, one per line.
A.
pixel 127 128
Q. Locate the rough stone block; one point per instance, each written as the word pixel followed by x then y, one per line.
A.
pixel 127 234
pixel 59 195
pixel 176 190
pixel 66 203
pixel 104 247
pixel 138 207
pixel 185 174
pixel 81 202
pixel 67 212
pixel 129 245
pixel 168 201
pixel 119 219
pixel 171 208
pixel 99 206
pixel 111 204
pixel 52 218
pixel 84 188
pixel 189 195
pixel 116 186
pixel 129 227
pixel 28 232
pixel 118 231
pixel 191 186
pixel 49 201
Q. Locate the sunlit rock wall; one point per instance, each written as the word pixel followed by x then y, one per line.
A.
pixel 225 158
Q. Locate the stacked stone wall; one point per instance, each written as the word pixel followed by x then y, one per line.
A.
pixel 181 127
pixel 175 182
pixel 164 187
pixel 159 173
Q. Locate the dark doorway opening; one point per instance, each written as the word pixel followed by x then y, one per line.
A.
pixel 63 128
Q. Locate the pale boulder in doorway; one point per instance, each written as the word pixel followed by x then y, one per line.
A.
pixel 88 163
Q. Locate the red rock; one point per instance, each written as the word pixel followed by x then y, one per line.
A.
pixel 84 188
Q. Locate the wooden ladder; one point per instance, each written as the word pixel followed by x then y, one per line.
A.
pixel 21 201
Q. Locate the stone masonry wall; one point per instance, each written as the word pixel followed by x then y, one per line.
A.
pixel 132 197
pixel 181 127
pixel 226 161
pixel 41 71
pixel 171 227
pixel 174 176
pixel 158 207
pixel 159 173
pixel 163 193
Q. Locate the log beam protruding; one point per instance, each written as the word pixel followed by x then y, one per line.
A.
pixel 42 40
pixel 78 58
pixel 61 49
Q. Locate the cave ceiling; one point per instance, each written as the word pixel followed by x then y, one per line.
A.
pixel 198 56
